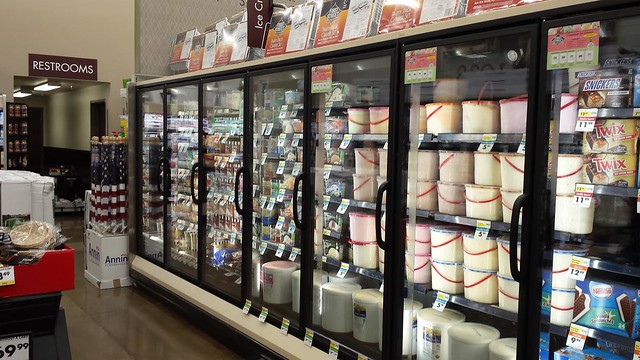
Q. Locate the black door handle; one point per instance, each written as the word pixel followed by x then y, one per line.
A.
pixel 194 167
pixel 296 187
pixel 381 190
pixel 513 236
pixel 236 190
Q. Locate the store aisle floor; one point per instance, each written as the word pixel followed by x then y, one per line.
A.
pixel 126 323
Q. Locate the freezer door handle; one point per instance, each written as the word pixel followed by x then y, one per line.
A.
pixel 194 168
pixel 513 236
pixel 381 190
pixel 236 190
pixel 296 186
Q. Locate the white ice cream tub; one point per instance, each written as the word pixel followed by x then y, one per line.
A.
pixel 320 277
pixel 449 90
pixel 382 179
pixel 569 173
pixel 365 254
pixel 419 238
pixel 358 121
pixel 562 302
pixel 447 276
pixel 381 260
pixel 504 251
pixel 568 113
pixel 337 306
pixel 572 218
pixel 512 171
pixel 480 117
pixel 451 198
pixel 456 166
pixel 427 165
pixel 409 326
pixel 503 349
pixel 508 293
pixel 426 197
pixel 362 227
pixel 508 199
pixel 443 118
pixel 418 268
pixel 365 315
pixel 276 281
pixel 379 120
pixel 470 341
pixel 349 277
pixel 364 188
pixel 366 161
pixel 486 169
pixel 561 261
pixel 483 202
pixel 422 119
pixel 480 253
pixel 481 285
pixel 432 332
pixel 446 243
pixel 513 115
pixel 382 160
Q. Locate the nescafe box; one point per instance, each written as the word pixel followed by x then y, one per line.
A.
pixel 608 88
pixel 612 136
pixel 611 169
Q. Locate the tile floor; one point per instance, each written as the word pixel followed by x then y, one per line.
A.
pixel 126 323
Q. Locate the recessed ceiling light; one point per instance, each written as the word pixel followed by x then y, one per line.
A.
pixel 46 87
pixel 20 94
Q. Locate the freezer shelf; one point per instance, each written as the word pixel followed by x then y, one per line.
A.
pixel 489 309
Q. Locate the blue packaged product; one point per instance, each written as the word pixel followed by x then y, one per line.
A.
pixel 636 82
pixel 546 292
pixel 615 348
pixel 569 353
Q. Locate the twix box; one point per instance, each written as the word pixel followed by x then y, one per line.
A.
pixel 612 136
pixel 611 169
pixel 608 88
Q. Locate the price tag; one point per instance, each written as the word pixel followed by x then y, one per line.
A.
pixel 334 347
pixel 441 300
pixel 488 140
pixel 344 268
pixel 308 337
pixel 636 351
pixel 211 232
pixel 232 158
pixel 583 195
pixel 381 287
pixel 247 307
pixel 327 108
pixel 262 248
pixel 263 201
pixel 326 232
pixel 586 120
pixel 344 205
pixel 577 336
pixel 280 250
pixel 233 239
pixel 211 193
pixel 346 140
pixel 280 169
pixel 224 200
pixel 263 158
pixel 281 194
pixel 327 171
pixel 386 146
pixel 327 141
pixel 224 139
pixel 15 347
pixel 268 129
pixel 282 138
pixel 294 254
pixel 280 223
pixel 284 328
pixel 232 198
pixel 578 268
pixel 255 190
pixel 292 227
pixel 296 140
pixel 325 202
pixel 482 229
pixel 362 357
pixel 263 314
pixel 224 162
pixel 283 114
pixel 523 142
pixel 324 259
pixel 238 281
pixel 297 167
pixel 7 276
pixel 420 138
pixel 272 203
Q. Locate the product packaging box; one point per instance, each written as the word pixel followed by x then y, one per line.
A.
pixel 612 136
pixel 289 30
pixel 569 353
pixel 607 307
pixel 197 52
pixel 438 10
pixel 611 169
pixel 343 20
pixel 636 82
pixel 182 45
pixel 615 348
pixel 607 88
pixel 399 15
pixel 546 292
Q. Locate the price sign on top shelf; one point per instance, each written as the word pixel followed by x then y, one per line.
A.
pixel 344 268
pixel 346 140
pixel 327 171
pixel 523 142
pixel 294 254
pixel 586 120
pixel 263 314
pixel 7 276
pixel 578 267
pixel 308 337
pixel 334 348
pixel 247 307
pixel 577 336
pixel 441 300
pixel 482 229
pixel 327 141
pixel 284 328
pixel 583 195
pixel 15 347
pixel 344 205
pixel 280 250
pixel 488 140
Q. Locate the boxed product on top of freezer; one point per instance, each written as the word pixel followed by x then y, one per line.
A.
pixel 607 88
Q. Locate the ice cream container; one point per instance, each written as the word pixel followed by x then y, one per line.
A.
pixel 451 198
pixel 365 254
pixel 443 118
pixel 422 118
pixel 379 120
pixel 486 169
pixel 508 198
pixel 481 285
pixel 449 90
pixel 319 278
pixel 365 315
pixel 562 302
pixel 480 254
pixel 508 293
pixel 569 173
pixel 432 332
pixel 418 268
pixel 276 281
pixel 358 120
pixel 291 97
pixel 504 252
pixel 561 260
pixel 470 341
pixel 612 136
pixel 381 260
pixel 363 227
pixel 446 243
pixel 336 125
pixel 447 276
pixel 483 202
pixel 568 113
pixel 513 115
pixel 572 218
pixel 337 306
pixel 503 349
pixel 426 198
pixel 419 238
pixel 512 171
pixel 456 166
pixel 410 326
pixel 366 161
pixel 350 278
pixel 480 117
pixel 381 180
pixel 611 169
pixel 382 160
pixel 364 188
pixel 427 165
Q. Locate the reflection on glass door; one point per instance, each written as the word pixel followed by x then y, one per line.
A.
pixel 223 139
pixel 182 152
pixel 152 164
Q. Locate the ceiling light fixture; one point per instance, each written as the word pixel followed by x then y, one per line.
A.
pixel 20 94
pixel 48 86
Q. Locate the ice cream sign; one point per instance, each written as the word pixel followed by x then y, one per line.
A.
pixel 573 45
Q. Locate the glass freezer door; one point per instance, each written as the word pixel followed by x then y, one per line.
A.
pixel 182 154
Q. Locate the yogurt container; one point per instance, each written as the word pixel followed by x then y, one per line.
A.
pixel 366 160
pixel 364 188
pixel 481 285
pixel 365 254
pixel 508 199
pixel 447 276
pixel 379 120
pixel 569 173
pixel 427 165
pixel 508 293
pixel 319 278
pixel 513 115
pixel 358 121
pixel 483 202
pixel 363 227
pixel 480 253
pixel 449 90
pixel 446 243
pixel 562 302
pixel 419 238
pixel 426 198
pixel 512 171
pixel 504 252
pixel 456 166
pixel 418 268
pixel 571 218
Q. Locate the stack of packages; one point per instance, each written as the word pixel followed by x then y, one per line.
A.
pixel 108 213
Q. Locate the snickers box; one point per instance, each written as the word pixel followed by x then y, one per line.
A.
pixel 607 307
pixel 612 136
pixel 609 88
pixel 611 169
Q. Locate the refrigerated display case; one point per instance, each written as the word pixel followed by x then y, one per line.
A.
pixel 3 116
pixel 17 131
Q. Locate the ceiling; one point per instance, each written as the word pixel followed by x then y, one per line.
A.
pixel 65 85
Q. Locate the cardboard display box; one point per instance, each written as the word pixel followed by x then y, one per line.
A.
pixel 106 260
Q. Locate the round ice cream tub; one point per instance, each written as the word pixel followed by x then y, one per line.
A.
pixel 349 277
pixel 422 118
pixel 486 169
pixel 481 285
pixel 447 276
pixel 503 349
pixel 337 306
pixel 364 188
pixel 562 302
pixel 418 268
pixel 480 117
pixel 366 161
pixel 446 243
pixel 276 281
pixel 561 261
pixel 426 198
pixel 456 166
pixel 568 113
pixel 379 120
pixel 443 118
pixel 449 90
pixel 569 173
pixel 512 171
pixel 358 121
pixel 409 325
pixel 470 341
pixel 508 198
pixel 513 115
pixel 365 315
pixel 571 218
pixel 365 254
pixel 483 202
pixel 451 198
pixel 432 332
pixel 504 252
pixel 381 260
pixel 362 227
pixel 427 165
pixel 419 238
pixel 320 277
pixel 508 293
pixel 382 159
pixel 480 254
